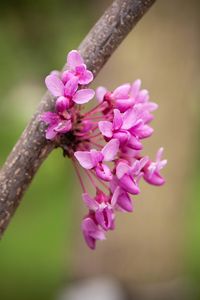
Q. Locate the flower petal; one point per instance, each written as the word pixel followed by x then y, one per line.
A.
pixel 135 87
pixel 150 106
pixel 55 72
pixel 138 165
pixel 121 169
pixel 103 172
pixel 86 77
pixel 80 69
pixel 83 96
pixel 91 232
pixel 159 154
pixel 134 143
pixel 124 202
pixel 110 150
pixel 84 158
pixel 124 104
pixel 129 118
pixel 122 91
pixel 50 133
pixel 74 59
pixel 113 184
pixel 155 178
pixel 123 137
pixel 129 185
pixel 106 128
pixel 67 75
pixel 143 131
pixel 143 96
pixel 62 103
pixel 71 86
pixel 54 85
pixel 96 156
pixel 90 202
pixel 49 117
pixel 117 120
pixel 105 218
pixel 63 126
pixel 100 93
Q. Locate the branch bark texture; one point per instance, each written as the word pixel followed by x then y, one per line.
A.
pixel 32 148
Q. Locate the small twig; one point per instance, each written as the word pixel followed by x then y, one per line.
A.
pixel 32 148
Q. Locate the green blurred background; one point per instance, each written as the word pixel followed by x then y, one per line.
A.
pixel 42 248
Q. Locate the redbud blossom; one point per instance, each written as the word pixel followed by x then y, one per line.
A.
pixel 106 141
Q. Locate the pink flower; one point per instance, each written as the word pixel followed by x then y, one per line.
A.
pixel 117 128
pixel 77 68
pixel 121 93
pixel 128 175
pixel 123 97
pixel 106 141
pixel 126 127
pixel 57 124
pixel 68 90
pixel 94 159
pixel 91 232
pixel 152 170
pixel 126 96
pixel 122 200
pixel 102 207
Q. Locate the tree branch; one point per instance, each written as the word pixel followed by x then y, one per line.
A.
pixel 32 148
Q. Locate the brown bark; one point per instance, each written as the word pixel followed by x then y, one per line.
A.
pixel 32 148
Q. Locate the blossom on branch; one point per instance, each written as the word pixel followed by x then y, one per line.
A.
pixel 106 141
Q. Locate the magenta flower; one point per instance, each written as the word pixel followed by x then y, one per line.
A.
pixel 77 68
pixel 68 90
pixel 122 200
pixel 91 232
pixel 152 170
pixel 106 141
pixel 94 159
pixel 103 208
pixel 126 96
pixel 130 123
pixel 129 176
pixel 57 124
pixel 118 127
pixel 128 128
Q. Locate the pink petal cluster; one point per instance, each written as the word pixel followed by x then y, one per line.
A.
pixel 106 141
pixel 64 88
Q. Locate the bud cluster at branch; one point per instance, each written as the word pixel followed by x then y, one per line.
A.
pixel 106 141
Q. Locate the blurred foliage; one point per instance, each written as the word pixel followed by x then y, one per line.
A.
pixel 36 35
pixel 193 229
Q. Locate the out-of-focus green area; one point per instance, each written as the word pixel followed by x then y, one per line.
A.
pixel 193 227
pixel 36 252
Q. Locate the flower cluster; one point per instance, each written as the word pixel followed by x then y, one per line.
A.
pixel 106 141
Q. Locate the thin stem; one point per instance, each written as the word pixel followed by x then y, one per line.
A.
pixel 90 178
pixel 97 178
pixel 78 175
pixel 97 145
pixel 102 117
pixel 94 136
pixel 93 109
